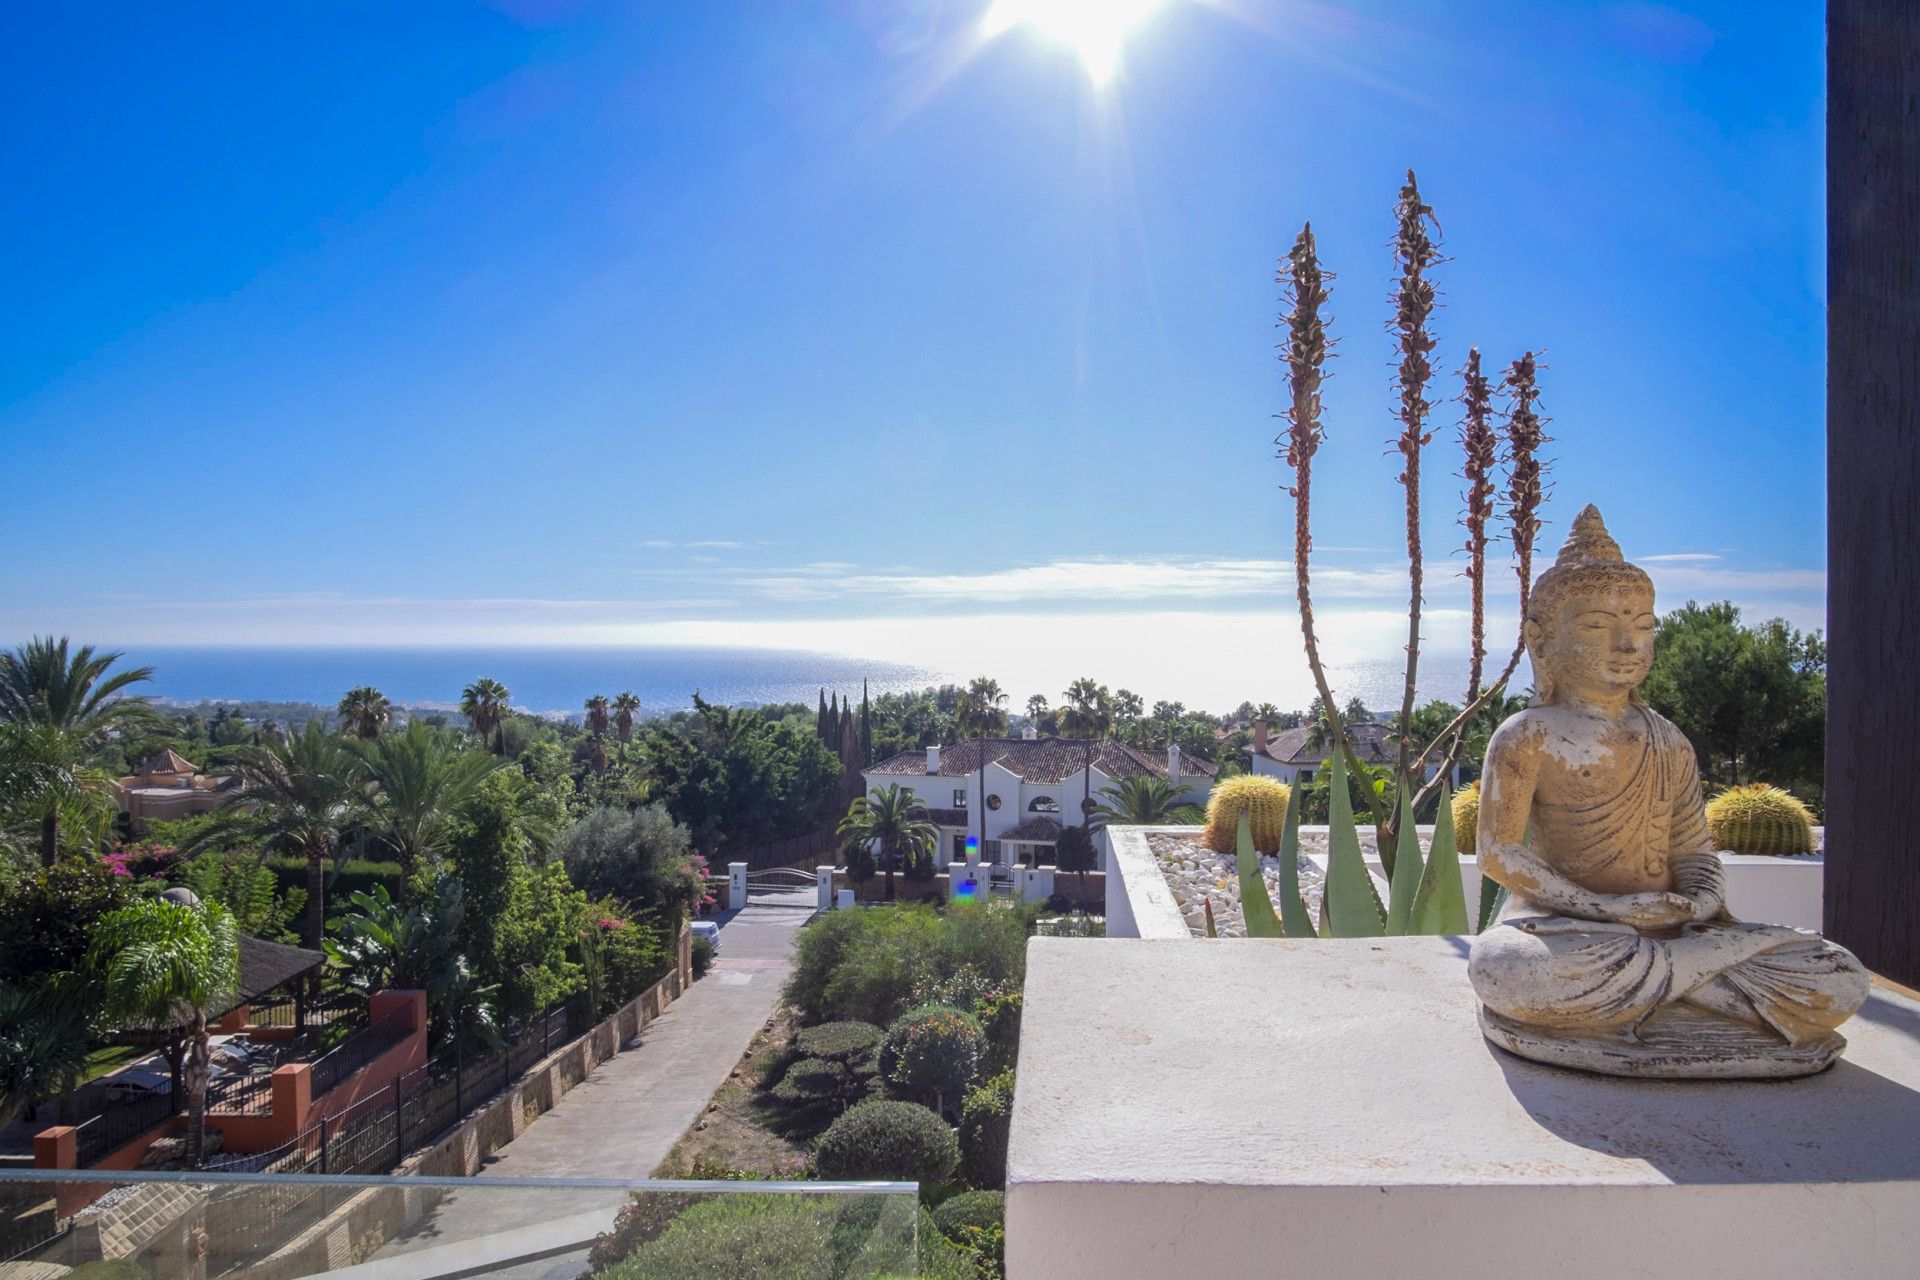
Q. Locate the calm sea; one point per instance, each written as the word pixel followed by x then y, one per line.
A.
pixel 558 680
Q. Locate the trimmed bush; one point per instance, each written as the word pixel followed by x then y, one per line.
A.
pixel 999 1016
pixel 931 1054
pixel 1466 818
pixel 985 1120
pixel 865 966
pixel 780 1237
pixel 702 956
pixel 970 1210
pixel 812 1080
pixel 1757 818
pixel 1262 799
pixel 838 1041
pixel 645 1217
pixel 885 1140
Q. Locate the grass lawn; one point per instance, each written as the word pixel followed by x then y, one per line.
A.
pixel 739 1131
pixel 110 1058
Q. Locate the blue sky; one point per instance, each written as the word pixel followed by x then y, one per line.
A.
pixel 829 323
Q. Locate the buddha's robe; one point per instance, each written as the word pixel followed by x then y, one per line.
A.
pixel 1560 973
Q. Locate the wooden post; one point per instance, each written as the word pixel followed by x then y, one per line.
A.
pixel 1873 482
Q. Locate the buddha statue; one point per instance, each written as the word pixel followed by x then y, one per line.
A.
pixel 1615 952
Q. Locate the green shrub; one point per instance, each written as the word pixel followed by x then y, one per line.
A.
pixel 634 954
pixel 999 1016
pixel 645 1217
pixel 812 1080
pixel 931 1054
pixel 977 1210
pixel 355 875
pixel 865 966
pixel 775 1237
pixel 886 1140
pixel 838 1041
pixel 702 956
pixel 986 1117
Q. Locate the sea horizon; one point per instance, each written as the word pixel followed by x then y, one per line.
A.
pixel 555 680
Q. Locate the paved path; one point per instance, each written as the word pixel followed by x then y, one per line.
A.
pixel 621 1121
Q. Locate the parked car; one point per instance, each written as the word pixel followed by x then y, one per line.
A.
pixel 710 931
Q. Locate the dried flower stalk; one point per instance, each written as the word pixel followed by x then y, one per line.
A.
pixel 1416 251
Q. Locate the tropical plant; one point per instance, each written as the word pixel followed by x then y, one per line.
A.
pixel 1264 802
pixel 1758 818
pixel 162 966
pixel 1425 896
pixel 986 1117
pixel 423 778
pixel 302 796
pixel 930 1054
pixel 1142 800
pixel 1089 710
pixel 43 1041
pixel 981 712
pixel 365 711
pixel 893 818
pixel 597 708
pixel 43 682
pixel 626 706
pixel 379 944
pixel 246 887
pixel 888 1140
pixel 484 704
pixel 1304 352
pixel 50 797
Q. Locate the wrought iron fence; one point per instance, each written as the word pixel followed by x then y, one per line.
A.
pixel 120 1123
pixel 335 1065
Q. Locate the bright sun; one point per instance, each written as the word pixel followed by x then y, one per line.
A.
pixel 1094 29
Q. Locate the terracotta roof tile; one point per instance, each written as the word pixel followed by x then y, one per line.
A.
pixel 1374 743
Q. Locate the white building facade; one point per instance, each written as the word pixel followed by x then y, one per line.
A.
pixel 1013 795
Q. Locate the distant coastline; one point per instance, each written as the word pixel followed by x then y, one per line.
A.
pixel 556 681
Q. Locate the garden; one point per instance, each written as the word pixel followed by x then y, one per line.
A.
pixel 891 1059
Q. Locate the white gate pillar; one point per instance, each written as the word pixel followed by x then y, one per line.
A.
pixel 1039 885
pixel 736 885
pixel 823 887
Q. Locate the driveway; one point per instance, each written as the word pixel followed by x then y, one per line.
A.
pixel 623 1119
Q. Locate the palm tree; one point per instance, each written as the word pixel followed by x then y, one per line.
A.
pixel 1036 707
pixel 42 683
pixel 625 708
pixel 366 711
pixel 1268 712
pixel 65 702
pixel 1089 709
pixel 979 711
pixel 892 817
pixel 165 964
pixel 303 795
pixel 1143 800
pixel 45 782
pixel 43 1041
pixel 484 704
pixel 422 778
pixel 597 714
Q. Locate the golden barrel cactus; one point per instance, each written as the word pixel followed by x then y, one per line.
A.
pixel 1262 799
pixel 1757 818
pixel 1466 818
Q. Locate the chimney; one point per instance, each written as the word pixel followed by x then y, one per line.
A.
pixel 1173 760
pixel 1260 737
pixel 1030 734
pixel 933 759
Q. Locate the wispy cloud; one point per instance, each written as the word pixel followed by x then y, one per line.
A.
pixel 1678 557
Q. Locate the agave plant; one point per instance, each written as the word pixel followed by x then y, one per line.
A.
pixel 1424 895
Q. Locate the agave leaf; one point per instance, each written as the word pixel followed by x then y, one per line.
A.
pixel 1352 906
pixel 1492 897
pixel 1207 904
pixel 1293 908
pixel 1406 870
pixel 1440 904
pixel 1255 906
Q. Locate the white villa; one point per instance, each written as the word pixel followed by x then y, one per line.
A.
pixel 1033 786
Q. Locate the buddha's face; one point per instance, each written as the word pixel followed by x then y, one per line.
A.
pixel 1600 639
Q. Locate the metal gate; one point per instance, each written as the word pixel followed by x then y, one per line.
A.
pixel 779 881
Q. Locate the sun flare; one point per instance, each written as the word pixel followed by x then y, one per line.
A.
pixel 1095 30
